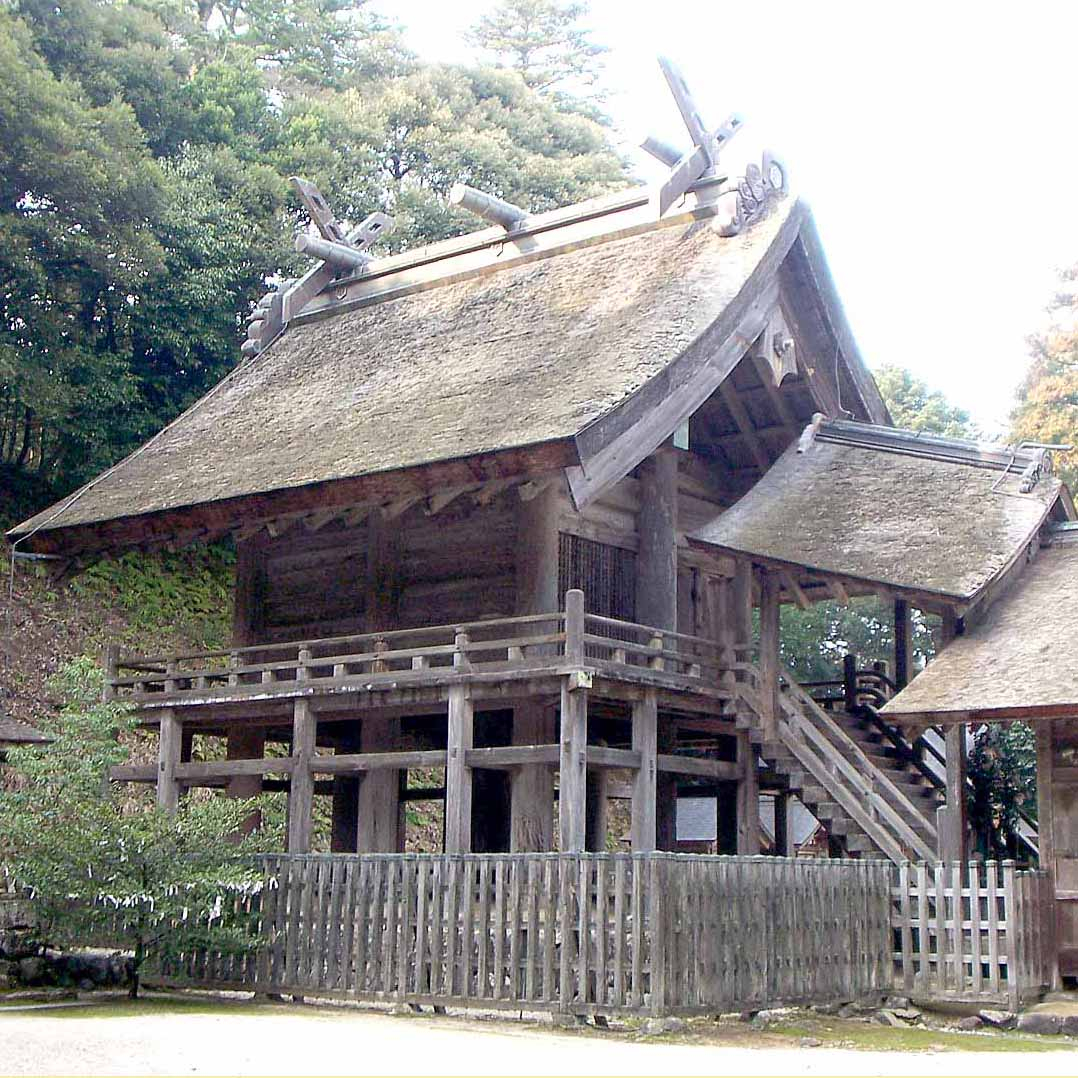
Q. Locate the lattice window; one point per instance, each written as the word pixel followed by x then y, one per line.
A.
pixel 605 574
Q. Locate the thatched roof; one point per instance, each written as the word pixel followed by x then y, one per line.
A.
pixel 914 513
pixel 13 732
pixel 454 357
pixel 1019 662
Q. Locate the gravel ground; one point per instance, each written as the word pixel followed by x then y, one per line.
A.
pixel 267 1040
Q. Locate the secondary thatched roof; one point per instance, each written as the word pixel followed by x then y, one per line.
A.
pixel 910 512
pixel 13 732
pixel 1019 662
pixel 527 355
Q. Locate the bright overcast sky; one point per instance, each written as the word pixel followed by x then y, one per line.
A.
pixel 935 142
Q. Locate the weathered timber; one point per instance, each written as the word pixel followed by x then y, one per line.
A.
pixel 301 792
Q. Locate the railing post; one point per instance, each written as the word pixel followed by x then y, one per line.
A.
pixel 849 682
pixel 1012 934
pixel 769 654
pixel 656 662
pixel 574 626
pixel 111 663
pixel 460 650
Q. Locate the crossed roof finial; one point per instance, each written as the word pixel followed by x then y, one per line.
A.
pixel 703 159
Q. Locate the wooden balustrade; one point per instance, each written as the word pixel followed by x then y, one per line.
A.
pixel 535 642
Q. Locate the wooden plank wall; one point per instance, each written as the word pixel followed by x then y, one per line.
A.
pixel 581 934
pixel 457 565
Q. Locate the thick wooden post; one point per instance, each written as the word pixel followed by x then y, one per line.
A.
pixel 656 560
pixel 378 828
pixel 645 742
pixel 458 776
pixel 656 600
pixel 770 662
pixel 954 818
pixel 110 661
pixel 1056 923
pixel 168 756
pixel 301 790
pixel 595 810
pixel 572 770
pixel 783 844
pixel 249 596
pixel 903 643
pixel 531 790
pixel 245 743
pixel 748 797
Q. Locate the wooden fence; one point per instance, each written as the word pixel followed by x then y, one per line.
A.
pixel 587 933
pixel 972 932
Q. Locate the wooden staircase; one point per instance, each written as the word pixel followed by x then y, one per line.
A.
pixel 869 800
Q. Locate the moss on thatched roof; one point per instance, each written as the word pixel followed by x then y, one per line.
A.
pixel 1019 660
pixel 854 505
pixel 512 357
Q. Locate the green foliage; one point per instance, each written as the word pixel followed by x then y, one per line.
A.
pixel 542 40
pixel 96 864
pixel 1002 765
pixel 916 407
pixel 144 152
pixel 814 641
pixel 188 593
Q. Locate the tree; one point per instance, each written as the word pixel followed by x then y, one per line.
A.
pixel 98 865
pixel 916 407
pixel 542 41
pixel 144 154
pixel 1047 408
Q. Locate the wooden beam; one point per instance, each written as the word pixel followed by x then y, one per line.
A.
pixel 507 757
pixel 603 756
pixel 794 590
pixel 745 425
pixel 458 775
pixel 378 817
pixel 696 765
pixel 838 590
pixel 645 742
pixel 352 763
pixel 198 770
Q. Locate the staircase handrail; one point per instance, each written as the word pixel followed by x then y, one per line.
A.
pixel 899 808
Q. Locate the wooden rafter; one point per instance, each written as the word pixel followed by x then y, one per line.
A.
pixel 745 425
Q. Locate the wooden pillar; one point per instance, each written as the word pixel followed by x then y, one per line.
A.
pixel 572 769
pixel 248 600
pixel 656 560
pixel 903 643
pixel 531 791
pixel 301 789
pixel 378 816
pixel 645 742
pixel 458 776
pixel 168 756
pixel 770 659
pixel 1058 922
pixel 783 844
pixel 595 809
pixel 245 743
pixel 748 797
pixel 656 601
pixel 952 820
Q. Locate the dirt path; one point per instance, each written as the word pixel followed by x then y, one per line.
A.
pixel 245 1040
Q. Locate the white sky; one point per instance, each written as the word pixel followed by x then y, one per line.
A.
pixel 936 142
